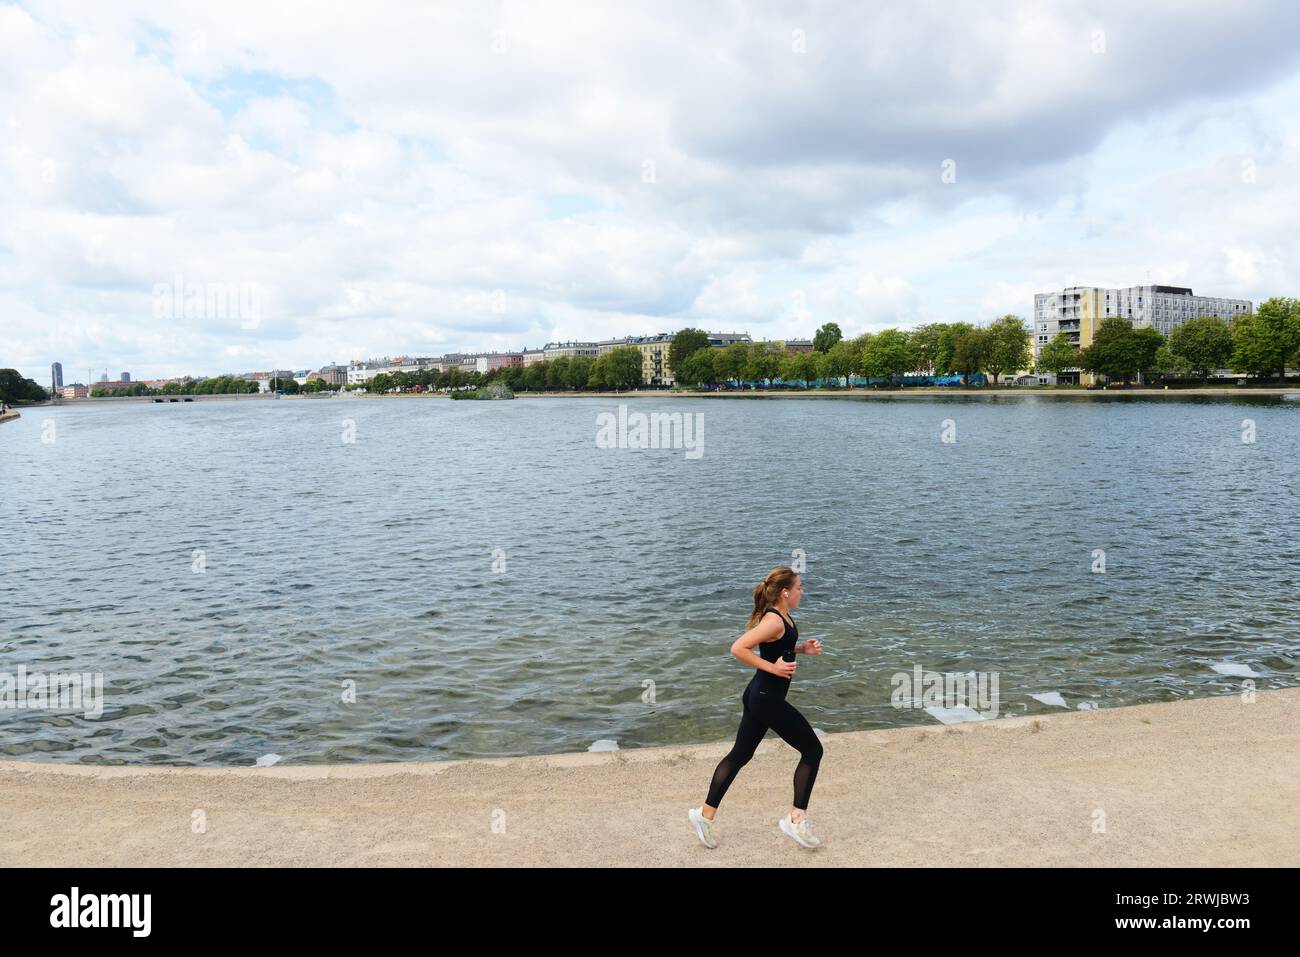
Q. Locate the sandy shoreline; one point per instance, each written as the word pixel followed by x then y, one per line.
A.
pixel 9 416
pixel 1205 782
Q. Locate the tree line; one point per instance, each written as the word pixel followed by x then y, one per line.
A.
pixel 618 369
pixel 940 348
pixel 216 385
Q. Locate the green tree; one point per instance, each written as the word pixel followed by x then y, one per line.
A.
pixel 1200 346
pixel 764 361
pixel 624 370
pixel 381 382
pixel 925 341
pixel 557 373
pixel 535 377
pixel 799 367
pixel 686 343
pixel 970 352
pixel 1146 345
pixel 1171 365
pixel 946 349
pixel 731 361
pixel 1058 355
pixel 888 353
pixel 827 336
pixel 597 377
pixel 699 367
pixel 579 371
pixel 1008 346
pixel 1119 351
pixel 838 361
pixel 858 347
pixel 1265 341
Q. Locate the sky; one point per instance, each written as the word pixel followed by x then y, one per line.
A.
pixel 203 188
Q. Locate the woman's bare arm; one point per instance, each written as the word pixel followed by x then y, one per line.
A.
pixel 768 628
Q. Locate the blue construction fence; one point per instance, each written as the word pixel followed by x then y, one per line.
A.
pixel 893 382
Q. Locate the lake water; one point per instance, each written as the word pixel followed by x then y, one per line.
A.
pixel 496 583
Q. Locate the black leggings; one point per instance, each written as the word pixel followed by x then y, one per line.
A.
pixel 763 710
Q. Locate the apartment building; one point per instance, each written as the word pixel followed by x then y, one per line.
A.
pixel 655 367
pixel 720 340
pixel 570 350
pixel 1077 311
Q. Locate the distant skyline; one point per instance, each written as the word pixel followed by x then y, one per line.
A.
pixel 393 179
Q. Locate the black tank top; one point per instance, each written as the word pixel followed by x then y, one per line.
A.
pixel 772 651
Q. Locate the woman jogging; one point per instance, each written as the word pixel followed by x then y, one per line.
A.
pixel 772 631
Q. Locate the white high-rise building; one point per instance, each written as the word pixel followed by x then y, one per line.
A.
pixel 1077 311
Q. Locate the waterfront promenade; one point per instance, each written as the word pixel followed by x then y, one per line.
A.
pixel 1196 783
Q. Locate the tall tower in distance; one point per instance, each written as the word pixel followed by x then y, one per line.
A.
pixel 56 377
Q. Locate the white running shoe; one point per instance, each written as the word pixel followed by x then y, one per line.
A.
pixel 703 827
pixel 801 832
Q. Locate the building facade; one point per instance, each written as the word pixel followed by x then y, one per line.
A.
pixel 720 340
pixel 570 350
pixel 1078 311
pixel 56 378
pixel 655 369
pixel 334 374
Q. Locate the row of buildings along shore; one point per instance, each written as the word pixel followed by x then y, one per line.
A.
pixel 655 369
pixel 1076 311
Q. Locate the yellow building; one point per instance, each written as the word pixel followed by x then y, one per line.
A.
pixel 654 355
pixel 654 358
pixel 655 367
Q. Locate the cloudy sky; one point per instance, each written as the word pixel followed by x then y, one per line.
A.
pixel 237 186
